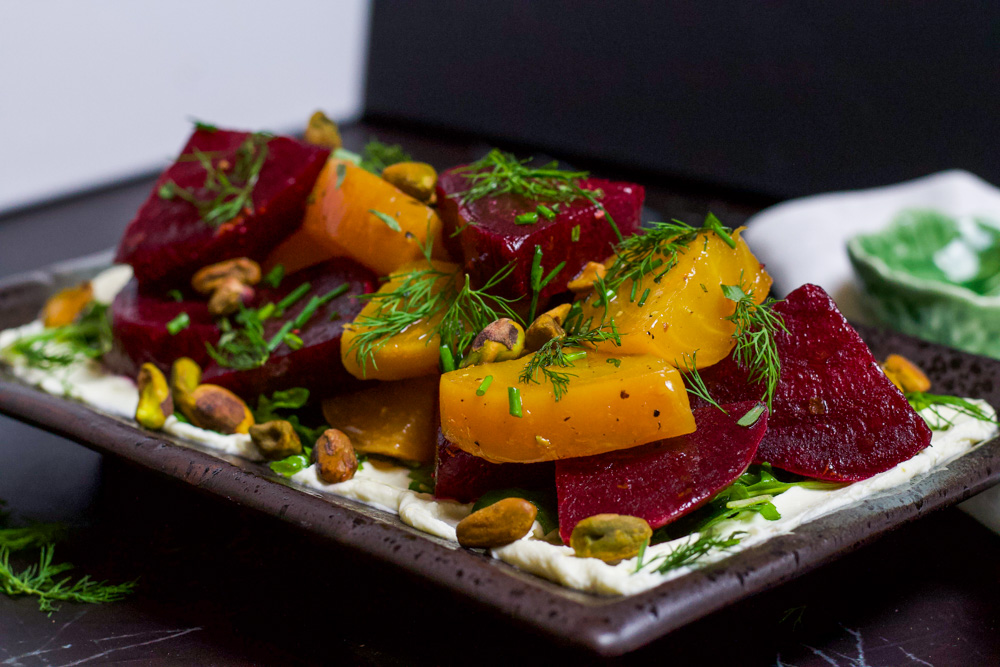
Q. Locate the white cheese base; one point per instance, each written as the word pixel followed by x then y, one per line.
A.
pixel 388 488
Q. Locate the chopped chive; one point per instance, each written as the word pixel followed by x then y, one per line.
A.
pixel 642 299
pixel 341 172
pixel 275 275
pixel 447 359
pixel 752 415
pixel 487 381
pixel 575 234
pixel 536 269
pixel 389 221
pixel 176 295
pixel 635 287
pixel 546 211
pixel 307 312
pixel 573 356
pixel 265 311
pixel 514 400
pixel 279 337
pixel 529 218
pixel 293 341
pixel 334 293
pixel 178 324
pixel 715 225
pixel 552 274
pixel 616 362
pixel 294 296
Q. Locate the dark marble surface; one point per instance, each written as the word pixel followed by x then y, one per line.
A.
pixel 220 586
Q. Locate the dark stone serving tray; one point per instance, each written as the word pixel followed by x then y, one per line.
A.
pixel 609 626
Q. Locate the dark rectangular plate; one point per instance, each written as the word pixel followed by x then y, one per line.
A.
pixel 609 626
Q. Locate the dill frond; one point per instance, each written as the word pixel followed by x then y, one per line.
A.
pixel 756 350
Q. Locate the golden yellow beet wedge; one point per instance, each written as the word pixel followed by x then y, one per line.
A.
pixel 606 407
pixel 684 313
pixel 397 419
pixel 412 353
pixel 339 221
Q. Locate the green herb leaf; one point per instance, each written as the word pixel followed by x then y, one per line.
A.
pixel 204 127
pixel 933 403
pixel 178 324
pixel 176 295
pixel 389 221
pixel 377 156
pixel 752 416
pixel 275 276
pixel 756 349
pixel 89 337
pixel 341 173
pixel 290 465
pixel 422 479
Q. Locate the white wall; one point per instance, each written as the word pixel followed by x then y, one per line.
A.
pixel 95 91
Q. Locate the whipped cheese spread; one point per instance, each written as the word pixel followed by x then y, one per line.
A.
pixel 387 488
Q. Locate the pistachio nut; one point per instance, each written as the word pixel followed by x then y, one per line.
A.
pixel 321 131
pixel 610 537
pixel 905 374
pixel 185 376
pixel 209 278
pixel 583 281
pixel 228 296
pixel 155 402
pixel 495 525
pixel 276 439
pixel 65 306
pixel 542 330
pixel 501 340
pixel 334 457
pixel 216 408
pixel 416 179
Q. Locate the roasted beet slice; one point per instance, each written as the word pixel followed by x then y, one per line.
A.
pixel 168 241
pixel 663 480
pixel 461 476
pixel 139 325
pixel 836 416
pixel 316 365
pixel 491 239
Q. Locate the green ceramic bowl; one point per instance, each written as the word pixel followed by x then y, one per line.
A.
pixel 934 277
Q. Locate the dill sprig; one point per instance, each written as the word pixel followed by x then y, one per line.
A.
pixel 458 311
pixel 27 537
pixel 89 337
pixel 756 350
pixel 499 173
pixel 228 185
pixel 693 381
pixel 552 358
pixel 921 401
pixel 690 553
pixel 376 156
pixel 44 581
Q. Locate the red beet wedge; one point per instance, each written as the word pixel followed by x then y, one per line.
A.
pixel 491 238
pixel 836 416
pixel 663 480
pixel 139 325
pixel 316 365
pixel 463 477
pixel 168 240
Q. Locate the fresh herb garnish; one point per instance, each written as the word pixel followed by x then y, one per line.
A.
pixel 921 401
pixel 756 350
pixel 178 324
pixel 229 185
pixel 389 221
pixel 275 276
pixel 484 385
pixel 242 347
pixel 690 553
pixel 44 579
pixel 290 465
pixel 557 354
pixel 458 311
pixel 500 173
pixel 281 405
pixel 422 479
pixel 752 416
pixel 88 338
pixel 377 156
pixel 538 283
pixel 514 401
pixel 176 295
pixel 693 381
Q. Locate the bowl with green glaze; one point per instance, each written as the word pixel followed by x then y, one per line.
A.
pixel 934 276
